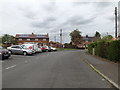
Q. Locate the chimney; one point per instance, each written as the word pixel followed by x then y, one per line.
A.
pixel 47 34
pixel 32 33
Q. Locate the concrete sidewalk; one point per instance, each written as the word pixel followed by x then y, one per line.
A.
pixel 106 67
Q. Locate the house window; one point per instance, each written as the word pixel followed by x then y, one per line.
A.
pixel 44 39
pixel 20 39
pixel 36 39
pixel 28 39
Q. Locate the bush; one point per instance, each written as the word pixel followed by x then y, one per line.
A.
pixel 106 49
pixel 90 47
pixel 114 51
pixel 101 49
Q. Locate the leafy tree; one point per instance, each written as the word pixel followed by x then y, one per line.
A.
pixel 108 37
pixel 0 40
pixel 97 36
pixel 75 37
pixel 8 39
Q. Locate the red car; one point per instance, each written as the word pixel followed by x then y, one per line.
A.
pixel 43 48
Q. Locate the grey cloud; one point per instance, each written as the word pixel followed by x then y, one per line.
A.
pixel 47 23
pixel 96 4
pixel 27 12
pixel 103 4
pixel 30 15
pixel 50 7
pixel 81 3
pixel 79 20
pixel 111 18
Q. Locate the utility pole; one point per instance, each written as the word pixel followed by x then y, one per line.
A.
pixel 116 22
pixel 107 35
pixel 54 38
pixel 61 36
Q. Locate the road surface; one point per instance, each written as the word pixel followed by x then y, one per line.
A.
pixel 61 69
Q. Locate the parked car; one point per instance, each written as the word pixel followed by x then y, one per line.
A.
pixel 33 47
pixel 19 49
pixel 53 49
pixel 39 50
pixel 48 48
pixel 4 53
pixel 43 48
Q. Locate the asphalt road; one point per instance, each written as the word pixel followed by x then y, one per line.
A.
pixel 62 69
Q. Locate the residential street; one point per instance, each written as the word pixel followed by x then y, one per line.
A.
pixel 61 69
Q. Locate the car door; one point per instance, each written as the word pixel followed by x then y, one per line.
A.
pixel 13 49
pixel 19 50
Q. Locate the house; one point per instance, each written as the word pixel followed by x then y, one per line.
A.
pixel 85 41
pixel 32 38
pixel 55 44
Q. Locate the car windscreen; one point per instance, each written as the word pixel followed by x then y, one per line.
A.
pixel 23 46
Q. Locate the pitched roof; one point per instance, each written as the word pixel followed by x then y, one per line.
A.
pixel 88 38
pixel 32 35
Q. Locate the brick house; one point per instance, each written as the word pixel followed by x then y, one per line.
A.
pixel 55 44
pixel 32 38
pixel 86 40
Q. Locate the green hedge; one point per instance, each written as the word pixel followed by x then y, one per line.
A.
pixel 114 51
pixel 106 49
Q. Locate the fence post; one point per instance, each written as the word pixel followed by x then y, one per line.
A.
pixel 93 51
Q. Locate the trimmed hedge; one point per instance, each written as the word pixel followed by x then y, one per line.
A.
pixel 106 49
pixel 114 51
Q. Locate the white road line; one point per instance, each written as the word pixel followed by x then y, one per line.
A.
pixel 10 67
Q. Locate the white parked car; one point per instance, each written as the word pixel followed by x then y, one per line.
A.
pixel 53 49
pixel 39 50
pixel 32 47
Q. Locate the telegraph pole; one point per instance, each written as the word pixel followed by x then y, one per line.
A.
pixel 54 38
pixel 116 22
pixel 61 36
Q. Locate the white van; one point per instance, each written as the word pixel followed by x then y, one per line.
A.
pixel 32 47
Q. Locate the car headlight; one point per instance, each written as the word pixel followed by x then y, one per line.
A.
pixel 9 52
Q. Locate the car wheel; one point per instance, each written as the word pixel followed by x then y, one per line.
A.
pixel 10 51
pixel 24 53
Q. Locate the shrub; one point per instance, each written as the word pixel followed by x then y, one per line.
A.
pixel 106 49
pixel 114 51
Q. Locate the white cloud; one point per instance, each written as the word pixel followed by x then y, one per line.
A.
pixel 23 16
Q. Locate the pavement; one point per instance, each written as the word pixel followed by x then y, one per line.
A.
pixel 62 69
pixel 108 68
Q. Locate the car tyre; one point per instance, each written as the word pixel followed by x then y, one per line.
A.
pixel 24 53
pixel 10 51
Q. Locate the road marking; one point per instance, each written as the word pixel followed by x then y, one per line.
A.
pixel 11 67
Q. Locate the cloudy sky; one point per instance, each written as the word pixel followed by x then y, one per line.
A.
pixel 38 16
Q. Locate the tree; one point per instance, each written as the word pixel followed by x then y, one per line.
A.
pixel 8 39
pixel 108 37
pixel 97 36
pixel 0 40
pixel 75 37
